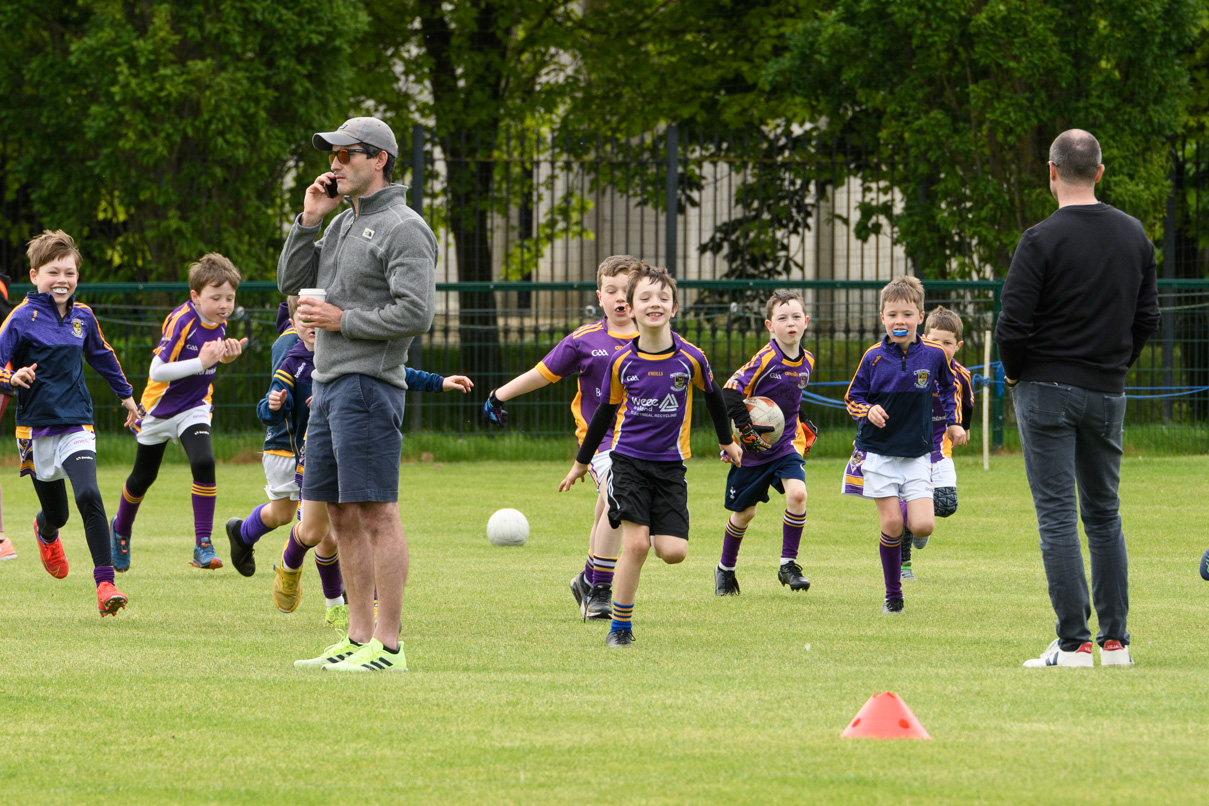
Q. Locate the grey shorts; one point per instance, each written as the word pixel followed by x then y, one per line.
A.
pixel 353 441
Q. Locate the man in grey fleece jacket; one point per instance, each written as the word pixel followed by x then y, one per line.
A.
pixel 377 263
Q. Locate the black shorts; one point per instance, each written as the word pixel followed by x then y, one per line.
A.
pixel 651 494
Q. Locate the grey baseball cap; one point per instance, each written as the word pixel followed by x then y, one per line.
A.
pixel 370 131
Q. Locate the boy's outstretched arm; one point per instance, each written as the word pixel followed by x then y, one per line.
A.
pixel 495 412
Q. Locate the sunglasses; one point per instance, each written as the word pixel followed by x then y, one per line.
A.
pixel 342 154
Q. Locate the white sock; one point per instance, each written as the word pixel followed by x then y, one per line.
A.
pixel 724 568
pixel 333 602
pixel 787 560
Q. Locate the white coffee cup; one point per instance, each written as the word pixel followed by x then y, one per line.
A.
pixel 314 293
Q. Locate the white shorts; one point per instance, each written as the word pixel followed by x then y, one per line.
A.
pixel 49 453
pixel 153 430
pixel 944 473
pixel 897 477
pixel 601 467
pixel 279 473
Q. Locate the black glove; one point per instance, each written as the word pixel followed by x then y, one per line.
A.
pixel 751 437
pixel 494 410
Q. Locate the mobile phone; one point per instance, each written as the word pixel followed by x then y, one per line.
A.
pixel 331 188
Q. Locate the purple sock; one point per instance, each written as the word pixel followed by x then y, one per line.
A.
pixel 329 575
pixel 295 553
pixel 589 571
pixel 128 507
pixel 253 527
pixel 791 534
pixel 204 498
pixel 602 574
pixel 892 565
pixel 103 573
pixel 902 507
pixel 731 539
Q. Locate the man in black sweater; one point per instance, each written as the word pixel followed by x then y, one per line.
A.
pixel 1079 303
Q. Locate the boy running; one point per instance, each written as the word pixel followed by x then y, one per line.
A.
pixel 780 372
pixel 943 327
pixel 586 351
pixel 48 337
pixel 891 398
pixel 649 405
pixel 177 403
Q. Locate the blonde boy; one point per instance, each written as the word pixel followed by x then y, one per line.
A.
pixel 586 351
pixel 779 371
pixel 47 337
pixel 891 398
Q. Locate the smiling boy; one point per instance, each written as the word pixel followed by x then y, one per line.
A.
pixel 177 403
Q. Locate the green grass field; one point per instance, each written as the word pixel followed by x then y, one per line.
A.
pixel 188 695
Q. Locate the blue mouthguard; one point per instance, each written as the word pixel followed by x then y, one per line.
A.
pixel 900 331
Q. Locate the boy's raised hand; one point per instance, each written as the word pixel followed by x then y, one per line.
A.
pixel 577 472
pixel 23 377
pixel 210 353
pixel 232 348
pixel 277 399
pixel 457 382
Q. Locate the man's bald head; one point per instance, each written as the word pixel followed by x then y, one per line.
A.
pixel 1076 155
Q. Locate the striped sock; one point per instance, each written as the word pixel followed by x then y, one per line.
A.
pixel 253 527
pixel 602 570
pixel 329 575
pixel 731 538
pixel 892 565
pixel 791 535
pixel 589 567
pixel 295 553
pixel 204 498
pixel 128 508
pixel 623 617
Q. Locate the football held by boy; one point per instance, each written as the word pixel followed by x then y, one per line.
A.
pixel 780 371
pixel 653 377
pixel 890 396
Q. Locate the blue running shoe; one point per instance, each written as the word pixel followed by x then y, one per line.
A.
pixel 204 556
pixel 120 550
pixel 1205 565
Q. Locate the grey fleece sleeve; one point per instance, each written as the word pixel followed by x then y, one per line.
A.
pixel 298 265
pixel 410 254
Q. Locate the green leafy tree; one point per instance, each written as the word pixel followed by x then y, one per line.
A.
pixel 955 105
pixel 156 131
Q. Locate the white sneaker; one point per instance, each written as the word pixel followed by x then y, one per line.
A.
pixel 1114 653
pixel 1054 655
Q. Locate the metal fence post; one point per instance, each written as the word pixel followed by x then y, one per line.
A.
pixel 670 194
pixel 417 169
pixel 1168 321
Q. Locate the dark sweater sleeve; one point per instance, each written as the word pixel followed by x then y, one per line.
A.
pixel 597 428
pixel 715 403
pixel 1021 291
pixel 735 407
pixel 1146 317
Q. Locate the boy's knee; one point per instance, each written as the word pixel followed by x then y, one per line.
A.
pixel 672 553
pixel 89 499
pixel 203 470
pixel 795 499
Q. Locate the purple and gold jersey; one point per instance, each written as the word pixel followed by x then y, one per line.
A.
pixel 655 393
pixel 942 446
pixel 770 374
pixel 903 385
pixel 586 350
pixel 184 333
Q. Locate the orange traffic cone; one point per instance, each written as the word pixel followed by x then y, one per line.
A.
pixel 885 716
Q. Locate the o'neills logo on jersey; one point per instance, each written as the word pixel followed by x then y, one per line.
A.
pixel 679 381
pixel 77 329
pixel 921 378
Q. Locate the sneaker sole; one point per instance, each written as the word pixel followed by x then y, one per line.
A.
pixel 576 592
pixel 112 605
pixel 214 565
pixel 9 557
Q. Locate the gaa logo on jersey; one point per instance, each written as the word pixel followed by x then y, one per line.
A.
pixel 679 381
pixel 921 378
pixel 77 329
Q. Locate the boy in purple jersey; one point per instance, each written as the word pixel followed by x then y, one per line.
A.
pixel 943 327
pixel 779 371
pixel 586 351
pixel 48 337
pixel 176 403
pixel 650 400
pixel 891 398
